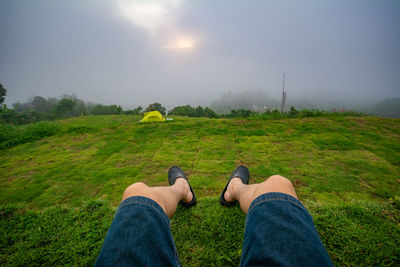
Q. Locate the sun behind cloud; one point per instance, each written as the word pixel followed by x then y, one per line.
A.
pixel 185 44
pixel 181 44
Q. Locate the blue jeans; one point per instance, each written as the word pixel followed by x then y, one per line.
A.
pixel 279 231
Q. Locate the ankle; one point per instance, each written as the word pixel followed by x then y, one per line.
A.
pixel 236 186
pixel 183 189
pixel 233 191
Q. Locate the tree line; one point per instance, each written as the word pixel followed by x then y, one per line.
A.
pixel 41 109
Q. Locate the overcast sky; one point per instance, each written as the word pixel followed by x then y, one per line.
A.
pixel 190 52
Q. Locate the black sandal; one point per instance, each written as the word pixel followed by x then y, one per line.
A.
pixel 241 172
pixel 174 173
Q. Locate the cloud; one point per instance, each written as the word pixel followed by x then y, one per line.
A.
pixel 152 16
pixel 159 19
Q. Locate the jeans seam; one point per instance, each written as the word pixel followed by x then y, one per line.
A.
pixel 279 199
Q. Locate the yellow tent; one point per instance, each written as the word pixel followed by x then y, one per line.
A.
pixel 152 116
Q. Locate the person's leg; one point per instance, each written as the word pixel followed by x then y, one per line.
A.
pixel 279 229
pixel 140 232
pixel 245 194
pixel 168 197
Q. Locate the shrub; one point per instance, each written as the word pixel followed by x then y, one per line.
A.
pixel 344 112
pixel 11 117
pixel 240 113
pixel 13 135
pixel 273 115
pixel 293 112
pixel 7 132
pixel 107 110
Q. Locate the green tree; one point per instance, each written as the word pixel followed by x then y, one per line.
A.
pixel 79 108
pixel 198 112
pixel 3 93
pixel 65 107
pixel 209 113
pixel 40 104
pixel 193 112
pixel 137 110
pixel 156 107
pixel 182 111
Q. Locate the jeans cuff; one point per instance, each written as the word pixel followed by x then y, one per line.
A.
pixel 145 202
pixel 276 196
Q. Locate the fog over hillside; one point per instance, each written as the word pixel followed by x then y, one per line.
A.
pixel 260 101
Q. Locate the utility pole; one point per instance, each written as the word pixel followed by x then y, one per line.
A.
pixel 283 94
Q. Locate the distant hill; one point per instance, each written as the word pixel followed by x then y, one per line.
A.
pixel 388 108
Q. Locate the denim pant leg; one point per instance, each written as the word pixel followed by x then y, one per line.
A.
pixel 139 235
pixel 280 231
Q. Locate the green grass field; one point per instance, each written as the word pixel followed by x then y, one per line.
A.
pixel 58 194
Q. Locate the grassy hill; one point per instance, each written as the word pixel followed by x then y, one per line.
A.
pixel 61 183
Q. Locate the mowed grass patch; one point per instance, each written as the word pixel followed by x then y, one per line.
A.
pixel 340 167
pixel 327 155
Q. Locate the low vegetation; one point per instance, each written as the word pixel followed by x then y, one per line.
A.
pixel 62 181
pixel 11 135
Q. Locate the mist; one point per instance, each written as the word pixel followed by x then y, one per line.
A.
pixel 131 53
